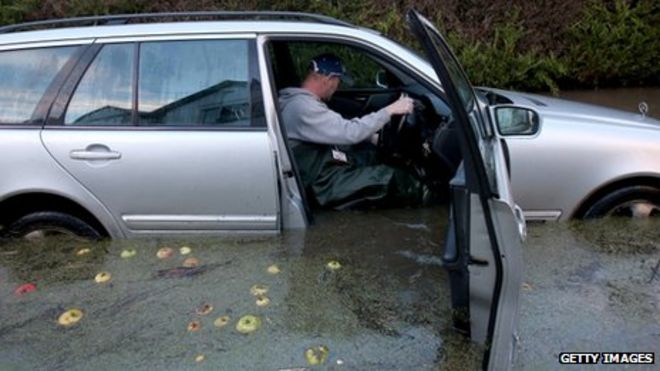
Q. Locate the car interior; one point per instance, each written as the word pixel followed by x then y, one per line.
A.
pixel 423 142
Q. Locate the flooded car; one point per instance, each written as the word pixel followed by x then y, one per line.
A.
pixel 158 129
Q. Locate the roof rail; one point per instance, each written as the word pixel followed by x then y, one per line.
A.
pixel 104 20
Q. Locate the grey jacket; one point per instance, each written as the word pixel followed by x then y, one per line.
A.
pixel 308 119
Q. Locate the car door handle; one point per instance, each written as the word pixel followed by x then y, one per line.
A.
pixel 94 155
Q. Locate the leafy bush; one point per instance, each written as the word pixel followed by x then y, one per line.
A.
pixel 617 44
pixel 15 11
pixel 500 62
pixel 540 46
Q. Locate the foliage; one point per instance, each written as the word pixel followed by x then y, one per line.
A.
pixel 14 11
pixel 514 44
pixel 616 44
pixel 500 61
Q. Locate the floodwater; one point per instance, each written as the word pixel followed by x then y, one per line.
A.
pixel 626 99
pixel 386 307
pixel 588 286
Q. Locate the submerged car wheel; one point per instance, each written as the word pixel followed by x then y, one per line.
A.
pixel 44 224
pixel 634 202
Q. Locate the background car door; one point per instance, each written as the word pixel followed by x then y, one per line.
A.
pixel 169 135
pixel 482 251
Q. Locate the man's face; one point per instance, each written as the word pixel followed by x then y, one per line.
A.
pixel 331 83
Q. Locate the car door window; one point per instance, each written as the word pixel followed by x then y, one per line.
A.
pixel 105 94
pixel 194 83
pixel 480 127
pixel 25 75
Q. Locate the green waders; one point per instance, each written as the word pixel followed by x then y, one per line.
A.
pixel 361 181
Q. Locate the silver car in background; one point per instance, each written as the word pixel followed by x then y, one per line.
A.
pixel 574 160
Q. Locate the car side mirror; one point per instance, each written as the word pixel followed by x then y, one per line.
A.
pixel 381 79
pixel 516 120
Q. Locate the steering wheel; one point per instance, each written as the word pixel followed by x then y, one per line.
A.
pixel 401 139
pixel 424 141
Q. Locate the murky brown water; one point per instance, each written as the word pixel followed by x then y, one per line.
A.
pixel 590 287
pixel 387 307
pixel 626 99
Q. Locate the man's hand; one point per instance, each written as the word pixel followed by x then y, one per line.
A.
pixel 402 106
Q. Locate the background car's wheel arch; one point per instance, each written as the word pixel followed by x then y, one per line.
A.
pixel 17 206
pixel 608 188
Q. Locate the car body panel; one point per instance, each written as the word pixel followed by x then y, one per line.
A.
pixel 176 179
pixel 509 238
pixel 20 176
pixel 562 108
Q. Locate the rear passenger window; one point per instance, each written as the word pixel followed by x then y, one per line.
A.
pixel 24 77
pixel 104 96
pixel 195 83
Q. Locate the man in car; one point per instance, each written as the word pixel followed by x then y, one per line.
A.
pixel 333 174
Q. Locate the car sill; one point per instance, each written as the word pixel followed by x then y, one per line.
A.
pixel 552 215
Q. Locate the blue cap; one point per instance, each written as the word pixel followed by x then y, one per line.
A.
pixel 328 64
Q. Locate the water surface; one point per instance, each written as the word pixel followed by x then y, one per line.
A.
pixel 588 286
pixel 387 307
pixel 626 99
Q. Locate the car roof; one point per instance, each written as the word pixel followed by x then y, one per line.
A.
pixel 115 19
pixel 181 28
pixel 184 23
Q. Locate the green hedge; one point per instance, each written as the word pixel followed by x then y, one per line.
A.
pixel 616 45
pixel 508 44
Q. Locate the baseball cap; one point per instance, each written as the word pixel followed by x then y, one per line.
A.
pixel 330 65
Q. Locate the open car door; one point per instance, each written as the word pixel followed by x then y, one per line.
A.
pixel 483 247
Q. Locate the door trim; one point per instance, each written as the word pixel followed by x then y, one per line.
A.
pixel 200 222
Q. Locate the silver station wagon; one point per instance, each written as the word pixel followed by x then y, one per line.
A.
pixel 129 128
pixel 121 126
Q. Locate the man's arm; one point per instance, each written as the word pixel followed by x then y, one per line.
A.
pixel 319 124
